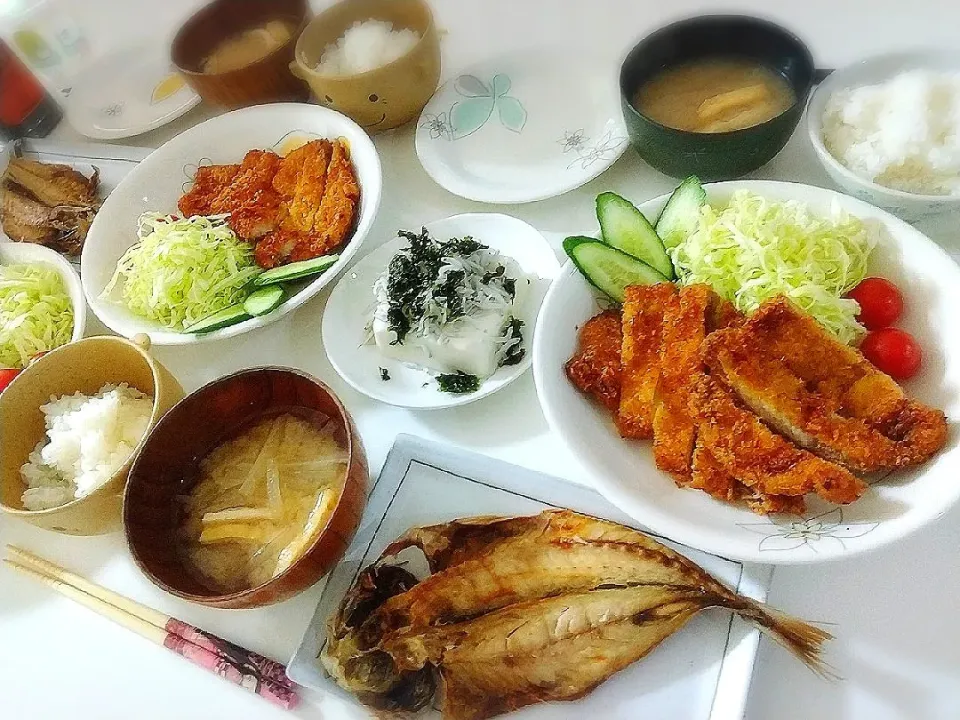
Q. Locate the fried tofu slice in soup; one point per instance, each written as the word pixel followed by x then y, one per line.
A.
pixel 821 394
pixel 643 310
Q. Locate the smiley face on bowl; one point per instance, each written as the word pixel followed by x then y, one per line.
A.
pixel 376 114
pixel 385 97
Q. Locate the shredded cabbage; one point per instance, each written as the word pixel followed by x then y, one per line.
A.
pixel 183 269
pixel 36 313
pixel 754 249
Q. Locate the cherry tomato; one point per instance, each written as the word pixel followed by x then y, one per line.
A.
pixel 880 302
pixel 893 351
pixel 6 377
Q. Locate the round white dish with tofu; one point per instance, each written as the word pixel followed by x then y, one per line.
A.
pixel 443 315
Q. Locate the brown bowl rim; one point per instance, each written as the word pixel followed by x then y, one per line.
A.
pixel 367 74
pixel 231 598
pixel 128 465
pixel 294 38
pixel 799 102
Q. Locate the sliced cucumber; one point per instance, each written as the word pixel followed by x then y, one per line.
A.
pixel 625 228
pixel 295 271
pixel 220 319
pixel 263 300
pixel 608 269
pixel 679 217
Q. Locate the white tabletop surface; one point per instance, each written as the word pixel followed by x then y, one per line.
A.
pixel 895 612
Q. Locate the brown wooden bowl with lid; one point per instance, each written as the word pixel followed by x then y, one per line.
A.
pixel 264 81
pixel 166 468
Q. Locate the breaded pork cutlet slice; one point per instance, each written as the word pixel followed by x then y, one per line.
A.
pixel 643 308
pixel 595 367
pixel 253 204
pixel 318 210
pixel 688 317
pixel 714 479
pixel 839 407
pixel 208 182
pixel 760 459
pixel 300 180
pixel 334 219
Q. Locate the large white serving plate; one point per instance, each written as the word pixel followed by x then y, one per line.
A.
pixel 157 183
pixel 700 673
pixel 892 508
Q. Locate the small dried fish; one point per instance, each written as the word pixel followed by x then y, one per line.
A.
pixel 523 610
pixel 52 205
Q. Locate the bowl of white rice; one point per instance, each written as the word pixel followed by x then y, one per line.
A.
pixel 887 130
pixel 72 423
pixel 375 61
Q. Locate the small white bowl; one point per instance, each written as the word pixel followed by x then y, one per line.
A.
pixel 157 183
pixel 906 205
pixel 29 253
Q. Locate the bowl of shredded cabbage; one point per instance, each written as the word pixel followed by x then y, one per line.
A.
pixel 184 280
pixel 752 241
pixel 41 303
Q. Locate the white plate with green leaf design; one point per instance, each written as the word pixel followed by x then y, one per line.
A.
pixel 522 128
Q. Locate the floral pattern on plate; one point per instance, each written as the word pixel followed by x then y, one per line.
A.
pixel 814 531
pixel 480 99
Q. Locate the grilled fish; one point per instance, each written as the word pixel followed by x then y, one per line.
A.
pixel 52 205
pixel 525 610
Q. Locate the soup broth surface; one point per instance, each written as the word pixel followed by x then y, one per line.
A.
pixel 713 95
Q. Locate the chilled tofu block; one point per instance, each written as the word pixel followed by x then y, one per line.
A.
pixel 469 345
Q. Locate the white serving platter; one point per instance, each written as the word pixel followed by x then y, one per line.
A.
pixel 700 673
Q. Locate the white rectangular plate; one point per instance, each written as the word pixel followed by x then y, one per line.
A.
pixel 113 161
pixel 700 673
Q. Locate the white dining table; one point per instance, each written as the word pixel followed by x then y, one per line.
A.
pixel 894 612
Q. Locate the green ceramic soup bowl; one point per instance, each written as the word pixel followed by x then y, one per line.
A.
pixel 722 155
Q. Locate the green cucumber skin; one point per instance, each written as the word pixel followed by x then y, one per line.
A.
pixel 264 300
pixel 643 273
pixel 677 215
pixel 218 320
pixel 295 271
pixel 624 227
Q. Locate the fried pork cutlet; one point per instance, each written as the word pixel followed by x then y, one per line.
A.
pixel 595 367
pixel 308 166
pixel 688 317
pixel 208 183
pixel 760 459
pixel 318 209
pixel 643 309
pixel 338 209
pixel 714 479
pixel 837 405
pixel 253 204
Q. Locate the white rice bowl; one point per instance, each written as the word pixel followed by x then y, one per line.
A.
pixel 87 440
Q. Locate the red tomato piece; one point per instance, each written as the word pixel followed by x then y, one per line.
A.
pixel 6 377
pixel 880 302
pixel 893 351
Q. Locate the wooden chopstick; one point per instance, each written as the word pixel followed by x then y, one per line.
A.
pixel 263 676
